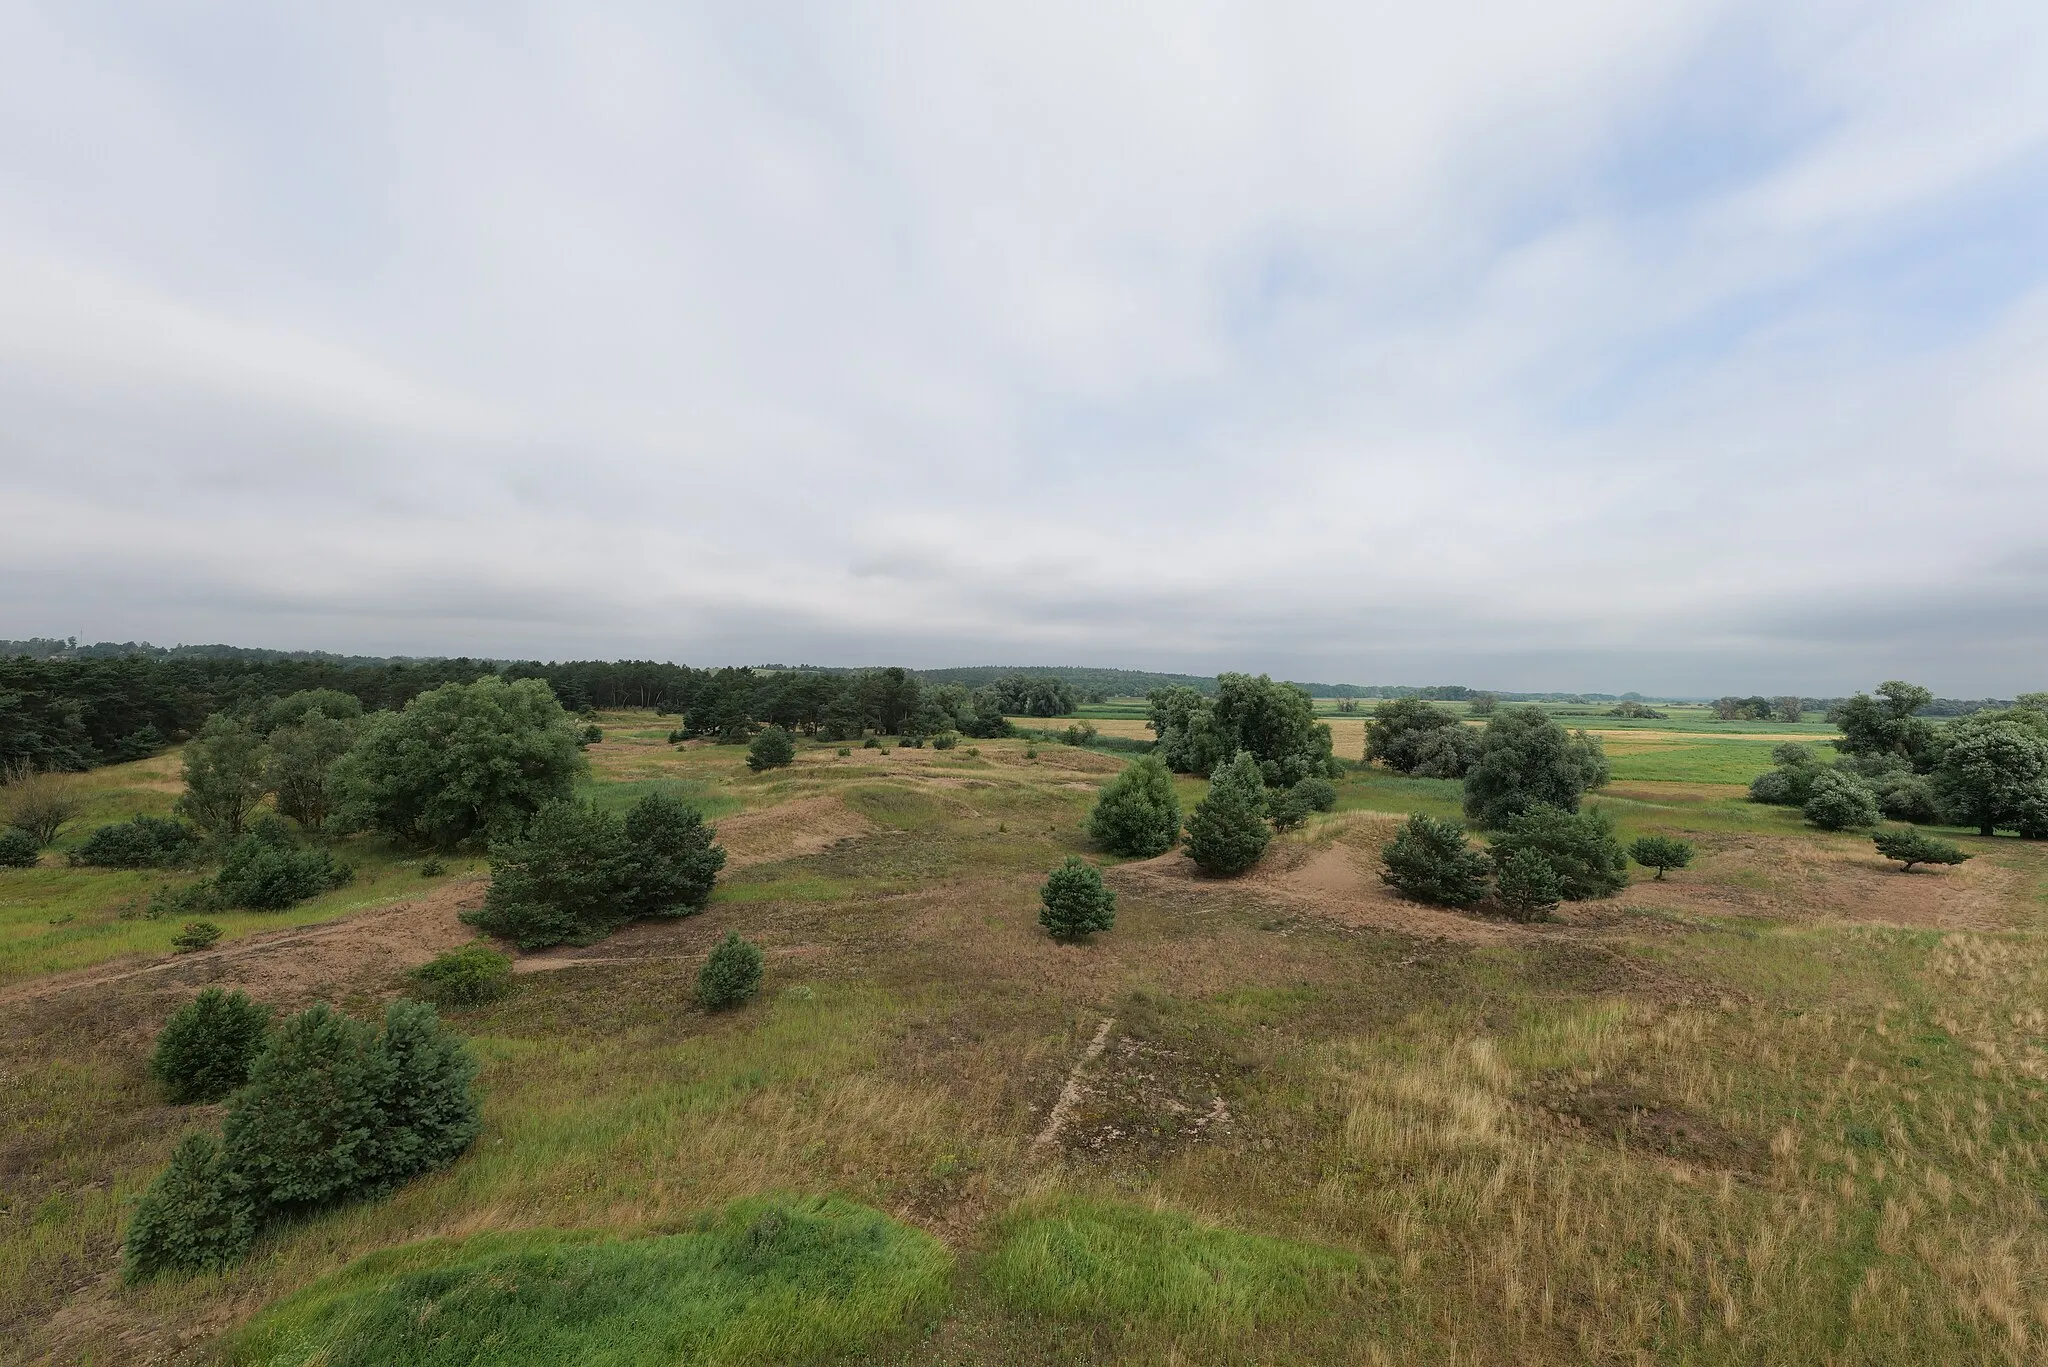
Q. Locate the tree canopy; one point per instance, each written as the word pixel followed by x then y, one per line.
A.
pixel 1527 760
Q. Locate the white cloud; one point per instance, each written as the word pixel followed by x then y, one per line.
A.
pixel 1593 345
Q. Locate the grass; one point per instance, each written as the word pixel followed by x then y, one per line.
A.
pixel 1750 1114
pixel 759 1281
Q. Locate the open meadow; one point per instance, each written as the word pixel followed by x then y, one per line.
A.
pixel 1786 1105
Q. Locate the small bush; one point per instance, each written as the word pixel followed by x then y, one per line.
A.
pixel 266 871
pixel 195 936
pixel 1074 902
pixel 945 740
pixel 1430 862
pixel 38 803
pixel 1138 813
pixel 1527 887
pixel 204 1051
pixel 1840 801
pixel 1079 733
pixel 432 868
pixel 147 842
pixel 871 743
pixel 1227 831
pixel 469 976
pixel 772 749
pixel 1912 847
pixel 18 849
pixel 196 1217
pixel 593 735
pixel 974 752
pixel 1318 794
pixel 1031 752
pixel 844 751
pixel 731 974
pixel 1579 846
pixel 1661 852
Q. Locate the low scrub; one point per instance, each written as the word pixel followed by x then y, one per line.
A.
pixel 1157 1274
pixel 333 1109
pixel 759 1281
pixel 18 849
pixel 731 973
pixel 147 842
pixel 267 870
pixel 469 976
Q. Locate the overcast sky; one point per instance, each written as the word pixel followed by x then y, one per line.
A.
pixel 1681 347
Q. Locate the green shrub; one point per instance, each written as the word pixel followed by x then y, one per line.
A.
pixel 844 751
pixel 1525 760
pixel 195 936
pixel 469 976
pixel 764 1280
pixel 197 1216
pixel 18 849
pixel 1661 852
pixel 224 767
pixel 593 735
pixel 1912 847
pixel 1073 902
pixel 333 1109
pixel 1138 813
pixel 945 740
pixel 871 743
pixel 671 861
pixel 147 842
pixel 1317 793
pixel 731 974
pixel 1527 887
pixel 1227 831
pixel 1402 730
pixel 432 868
pixel 772 749
pixel 204 1051
pixel 267 871
pixel 1429 861
pixel 1840 801
pixel 1579 846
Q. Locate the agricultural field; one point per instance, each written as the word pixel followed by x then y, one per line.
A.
pixel 1787 1105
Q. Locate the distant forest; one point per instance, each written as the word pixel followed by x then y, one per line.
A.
pixel 71 706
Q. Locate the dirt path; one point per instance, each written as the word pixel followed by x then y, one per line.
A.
pixel 1070 1093
pixel 286 964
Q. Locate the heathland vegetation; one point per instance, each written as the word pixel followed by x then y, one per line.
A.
pixel 628 1012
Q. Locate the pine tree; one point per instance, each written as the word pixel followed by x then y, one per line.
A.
pixel 1228 831
pixel 1074 902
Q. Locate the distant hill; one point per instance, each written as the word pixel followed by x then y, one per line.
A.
pixel 68 648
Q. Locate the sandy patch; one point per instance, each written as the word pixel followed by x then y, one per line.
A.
pixel 806 826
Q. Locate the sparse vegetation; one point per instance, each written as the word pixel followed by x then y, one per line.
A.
pixel 39 803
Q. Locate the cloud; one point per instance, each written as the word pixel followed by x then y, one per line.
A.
pixel 1684 347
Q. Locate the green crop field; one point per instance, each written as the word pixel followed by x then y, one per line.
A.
pixel 1786 1105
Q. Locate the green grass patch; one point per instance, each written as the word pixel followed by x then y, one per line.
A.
pixel 1160 1272
pixel 709 801
pixel 1710 761
pixel 765 1280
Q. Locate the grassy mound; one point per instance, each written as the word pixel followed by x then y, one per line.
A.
pixel 1160 1272
pixel 762 1280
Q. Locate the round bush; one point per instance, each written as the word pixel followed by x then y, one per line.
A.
pixel 204 1051
pixel 770 750
pixel 1317 794
pixel 731 974
pixel 147 842
pixel 468 976
pixel 1430 862
pixel 18 849
pixel 1840 802
pixel 265 871
pixel 1138 813
pixel 1074 902
pixel 1528 888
